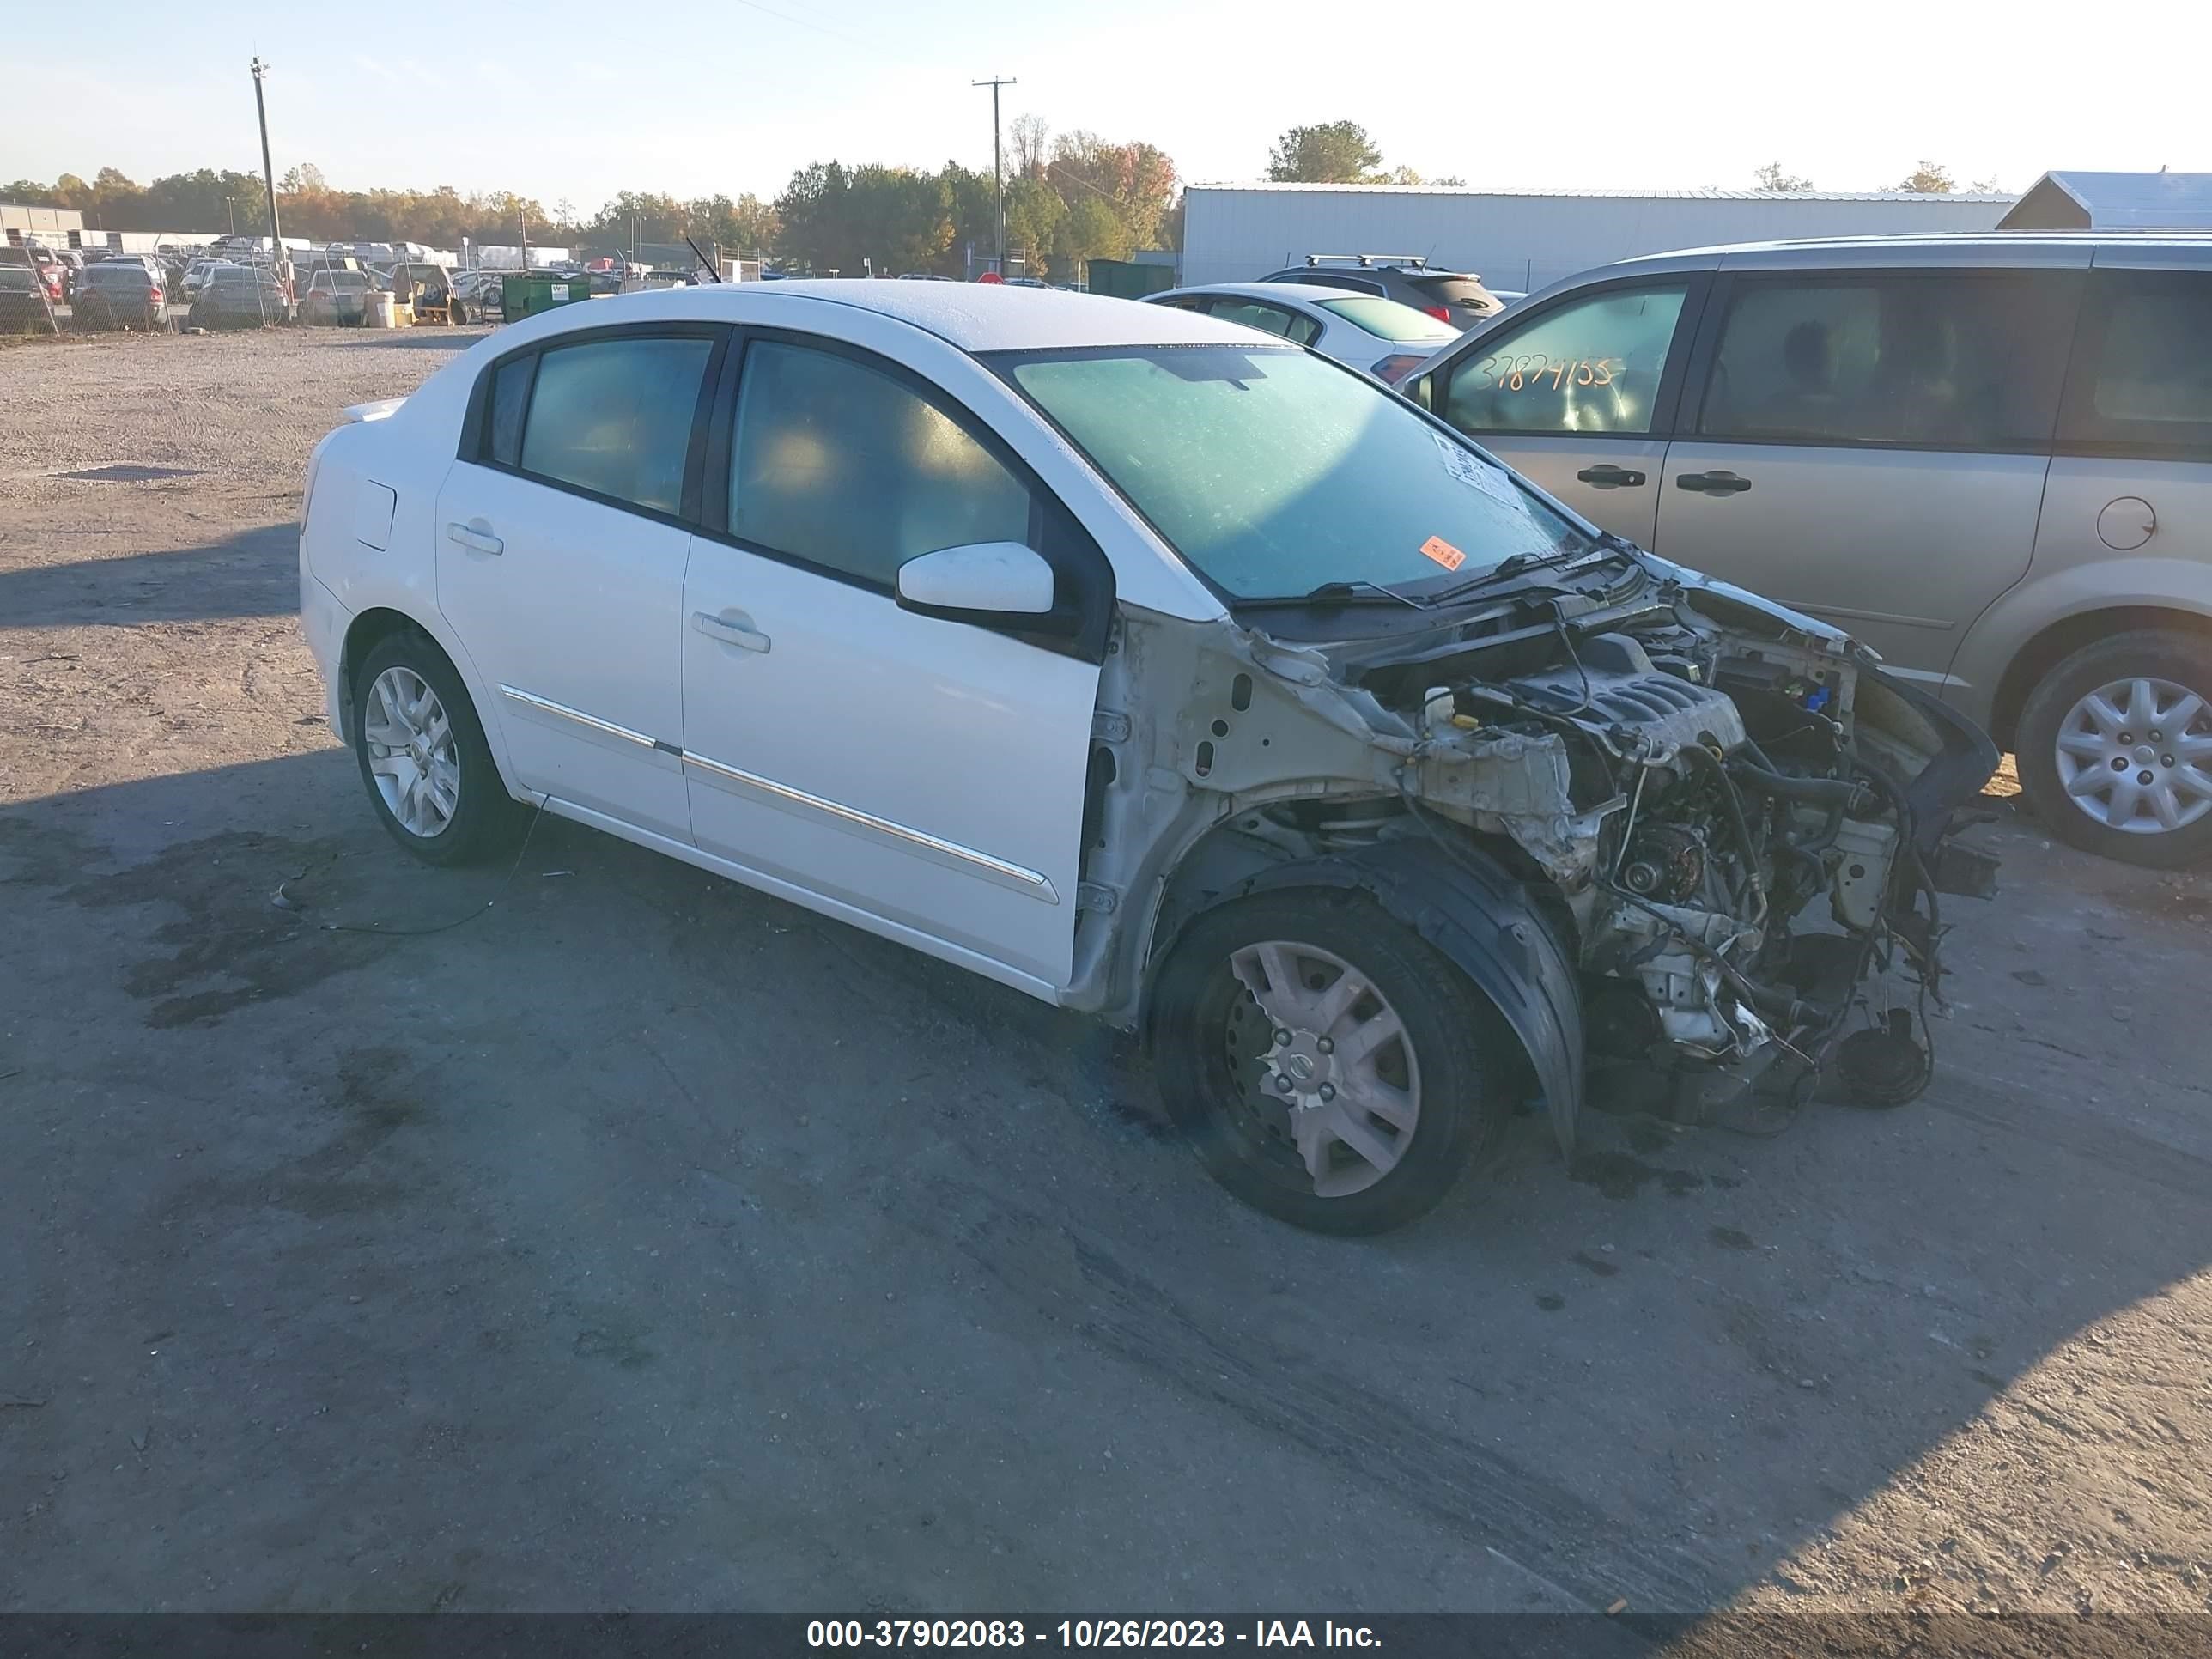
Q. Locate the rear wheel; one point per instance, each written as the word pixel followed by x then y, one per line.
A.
pixel 1330 1066
pixel 2115 748
pixel 423 756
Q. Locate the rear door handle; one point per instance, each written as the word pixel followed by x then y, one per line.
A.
pixel 1606 476
pixel 1713 483
pixel 730 633
pixel 475 539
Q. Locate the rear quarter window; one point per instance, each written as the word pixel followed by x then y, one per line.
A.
pixel 2142 376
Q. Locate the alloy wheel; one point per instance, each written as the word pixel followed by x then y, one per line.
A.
pixel 411 753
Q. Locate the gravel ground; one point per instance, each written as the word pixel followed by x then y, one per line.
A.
pixel 642 1242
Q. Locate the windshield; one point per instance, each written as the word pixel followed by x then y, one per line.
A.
pixel 1389 320
pixel 1272 472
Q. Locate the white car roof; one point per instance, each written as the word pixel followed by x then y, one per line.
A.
pixel 976 317
pixel 1307 295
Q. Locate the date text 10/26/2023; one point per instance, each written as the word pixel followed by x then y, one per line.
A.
pixel 1087 1633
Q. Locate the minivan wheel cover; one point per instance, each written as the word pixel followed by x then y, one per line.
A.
pixel 1326 1068
pixel 412 755
pixel 2136 757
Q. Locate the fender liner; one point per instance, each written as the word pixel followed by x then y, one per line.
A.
pixel 1488 924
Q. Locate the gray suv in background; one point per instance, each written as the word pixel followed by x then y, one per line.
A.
pixel 1456 297
pixel 1989 457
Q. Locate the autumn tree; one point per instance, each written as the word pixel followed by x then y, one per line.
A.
pixel 1029 141
pixel 1929 179
pixel 1334 152
pixel 1772 177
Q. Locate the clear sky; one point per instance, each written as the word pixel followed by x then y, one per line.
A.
pixel 564 100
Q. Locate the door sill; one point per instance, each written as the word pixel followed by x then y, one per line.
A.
pixel 928 944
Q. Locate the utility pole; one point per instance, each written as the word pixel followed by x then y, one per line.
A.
pixel 998 176
pixel 268 171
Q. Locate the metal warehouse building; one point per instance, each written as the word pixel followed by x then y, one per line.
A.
pixel 1526 239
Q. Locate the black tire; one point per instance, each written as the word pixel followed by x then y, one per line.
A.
pixel 1203 1018
pixel 2158 653
pixel 486 821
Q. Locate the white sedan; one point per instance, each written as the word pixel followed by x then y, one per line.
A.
pixel 1385 338
pixel 1126 657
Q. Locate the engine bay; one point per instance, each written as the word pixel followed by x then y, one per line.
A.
pixel 1740 846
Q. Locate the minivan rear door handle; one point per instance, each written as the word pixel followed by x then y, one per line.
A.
pixel 1606 476
pixel 1713 483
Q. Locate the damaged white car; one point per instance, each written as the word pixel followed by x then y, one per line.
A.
pixel 1159 673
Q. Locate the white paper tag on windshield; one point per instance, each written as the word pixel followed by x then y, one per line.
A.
pixel 1474 471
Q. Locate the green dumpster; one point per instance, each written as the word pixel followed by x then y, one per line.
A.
pixel 1125 279
pixel 525 296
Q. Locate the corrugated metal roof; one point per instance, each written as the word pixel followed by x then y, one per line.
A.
pixel 1704 193
pixel 2147 201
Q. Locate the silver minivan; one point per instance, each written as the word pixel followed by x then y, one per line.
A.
pixel 1989 457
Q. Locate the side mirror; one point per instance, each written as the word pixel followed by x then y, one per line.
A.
pixel 982 581
pixel 1417 388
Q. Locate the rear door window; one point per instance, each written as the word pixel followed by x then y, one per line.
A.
pixel 2143 372
pixel 1593 364
pixel 1272 319
pixel 614 416
pixel 1949 360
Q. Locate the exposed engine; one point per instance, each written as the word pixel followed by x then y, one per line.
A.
pixel 1713 784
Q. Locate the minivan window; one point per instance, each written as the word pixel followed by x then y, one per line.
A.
pixel 1964 362
pixel 849 468
pixel 2147 377
pixel 614 416
pixel 1273 470
pixel 1593 365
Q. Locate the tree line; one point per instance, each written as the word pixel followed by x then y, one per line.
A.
pixel 1069 197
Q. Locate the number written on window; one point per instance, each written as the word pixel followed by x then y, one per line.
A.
pixel 1532 371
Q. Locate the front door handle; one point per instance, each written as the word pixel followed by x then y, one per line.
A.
pixel 475 537
pixel 730 633
pixel 1713 483
pixel 1606 476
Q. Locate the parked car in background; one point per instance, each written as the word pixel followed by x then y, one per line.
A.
pixel 335 297
pixel 119 294
pixel 1177 675
pixel 196 273
pixel 1990 458
pixel 1385 339
pixel 45 269
pixel 242 296
pixel 23 301
pixel 1456 297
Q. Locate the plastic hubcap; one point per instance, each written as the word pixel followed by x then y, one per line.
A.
pixel 2135 756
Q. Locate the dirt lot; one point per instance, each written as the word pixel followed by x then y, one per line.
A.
pixel 645 1244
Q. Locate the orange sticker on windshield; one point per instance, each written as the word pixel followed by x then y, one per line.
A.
pixel 1444 552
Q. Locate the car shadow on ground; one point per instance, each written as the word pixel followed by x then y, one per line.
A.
pixel 251 573
pixel 391 1204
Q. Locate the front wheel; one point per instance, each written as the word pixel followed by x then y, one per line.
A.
pixel 1330 1066
pixel 423 756
pixel 2115 748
